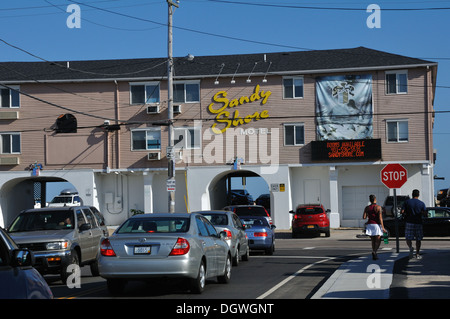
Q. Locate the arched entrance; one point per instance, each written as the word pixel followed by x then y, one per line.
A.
pixel 236 187
pixel 22 193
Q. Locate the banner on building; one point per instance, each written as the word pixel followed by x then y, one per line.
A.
pixel 344 107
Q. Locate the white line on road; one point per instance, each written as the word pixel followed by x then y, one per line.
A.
pixel 285 281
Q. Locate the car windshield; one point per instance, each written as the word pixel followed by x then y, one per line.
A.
pixel 309 211
pixel 250 211
pixel 43 220
pixel 217 219
pixel 254 221
pixel 155 225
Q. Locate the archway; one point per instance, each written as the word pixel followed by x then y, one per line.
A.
pixel 228 188
pixel 23 193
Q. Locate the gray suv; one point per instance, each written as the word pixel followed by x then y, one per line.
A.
pixel 60 236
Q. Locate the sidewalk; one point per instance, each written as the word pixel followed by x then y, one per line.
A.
pixel 392 276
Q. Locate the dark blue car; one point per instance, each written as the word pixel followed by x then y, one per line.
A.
pixel 261 235
pixel 18 278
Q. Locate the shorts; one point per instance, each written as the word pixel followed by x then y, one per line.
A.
pixel 413 231
pixel 373 230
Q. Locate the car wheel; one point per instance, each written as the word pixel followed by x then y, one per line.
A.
pixel 70 269
pixel 94 269
pixel 327 233
pixel 225 278
pixel 116 286
pixel 198 284
pixel 246 255
pixel 270 250
pixel 236 257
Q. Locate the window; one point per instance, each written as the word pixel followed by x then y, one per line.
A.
pixel 9 98
pixel 187 137
pixel 10 143
pixel 143 140
pixel 186 92
pixel 144 93
pixel 294 134
pixel 397 131
pixel 397 82
pixel 293 87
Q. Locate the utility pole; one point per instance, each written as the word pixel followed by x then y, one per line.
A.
pixel 170 151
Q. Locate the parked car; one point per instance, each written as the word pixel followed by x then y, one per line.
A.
pixel 445 201
pixel 240 197
pixel 236 237
pixel 67 197
pixel 179 245
pixel 388 206
pixel 263 200
pixel 261 235
pixel 436 223
pixel 441 196
pixel 250 210
pixel 60 237
pixel 310 219
pixel 18 278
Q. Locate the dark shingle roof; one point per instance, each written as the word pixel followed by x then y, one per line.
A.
pixel 207 66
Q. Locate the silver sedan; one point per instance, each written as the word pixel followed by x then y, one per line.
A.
pixel 164 245
pixel 236 236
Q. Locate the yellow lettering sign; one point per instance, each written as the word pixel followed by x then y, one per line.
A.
pixel 221 103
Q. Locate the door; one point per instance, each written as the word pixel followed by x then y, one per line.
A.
pixel 95 231
pixel 84 236
pixel 243 242
pixel 208 246
pixel 312 191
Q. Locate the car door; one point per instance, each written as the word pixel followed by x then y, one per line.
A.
pixel 207 245
pixel 84 236
pixel 95 231
pixel 240 233
pixel 436 223
pixel 220 247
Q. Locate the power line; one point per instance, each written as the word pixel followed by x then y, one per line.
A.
pixel 324 8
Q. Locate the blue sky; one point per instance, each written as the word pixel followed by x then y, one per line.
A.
pixel 117 29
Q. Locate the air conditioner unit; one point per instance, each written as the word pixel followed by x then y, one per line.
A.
pixel 153 109
pixel 177 109
pixel 154 156
pixel 9 161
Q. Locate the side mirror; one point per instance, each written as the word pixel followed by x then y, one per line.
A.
pixel 291 212
pixel 22 258
pixel 273 226
pixel 222 235
pixel 85 227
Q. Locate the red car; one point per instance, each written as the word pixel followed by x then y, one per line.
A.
pixel 310 219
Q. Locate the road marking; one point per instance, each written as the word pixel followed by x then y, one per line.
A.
pixel 309 248
pixel 285 281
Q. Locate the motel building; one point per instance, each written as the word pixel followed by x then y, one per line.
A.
pixel 314 126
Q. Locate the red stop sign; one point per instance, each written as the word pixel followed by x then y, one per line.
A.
pixel 394 175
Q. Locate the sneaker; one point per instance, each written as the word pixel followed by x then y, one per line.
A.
pixel 418 256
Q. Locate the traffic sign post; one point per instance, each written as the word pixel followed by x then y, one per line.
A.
pixel 394 176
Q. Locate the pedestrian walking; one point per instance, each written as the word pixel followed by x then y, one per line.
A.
pixel 413 210
pixel 374 225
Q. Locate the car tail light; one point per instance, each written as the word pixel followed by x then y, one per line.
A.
pixel 181 247
pixel 229 234
pixel 260 234
pixel 106 248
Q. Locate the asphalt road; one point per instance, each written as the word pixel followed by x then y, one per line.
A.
pixel 295 271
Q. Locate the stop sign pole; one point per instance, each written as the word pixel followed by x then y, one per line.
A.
pixel 393 176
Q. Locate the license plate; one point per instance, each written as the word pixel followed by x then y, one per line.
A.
pixel 142 250
pixel 310 226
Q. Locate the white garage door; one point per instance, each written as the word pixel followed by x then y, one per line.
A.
pixel 355 198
